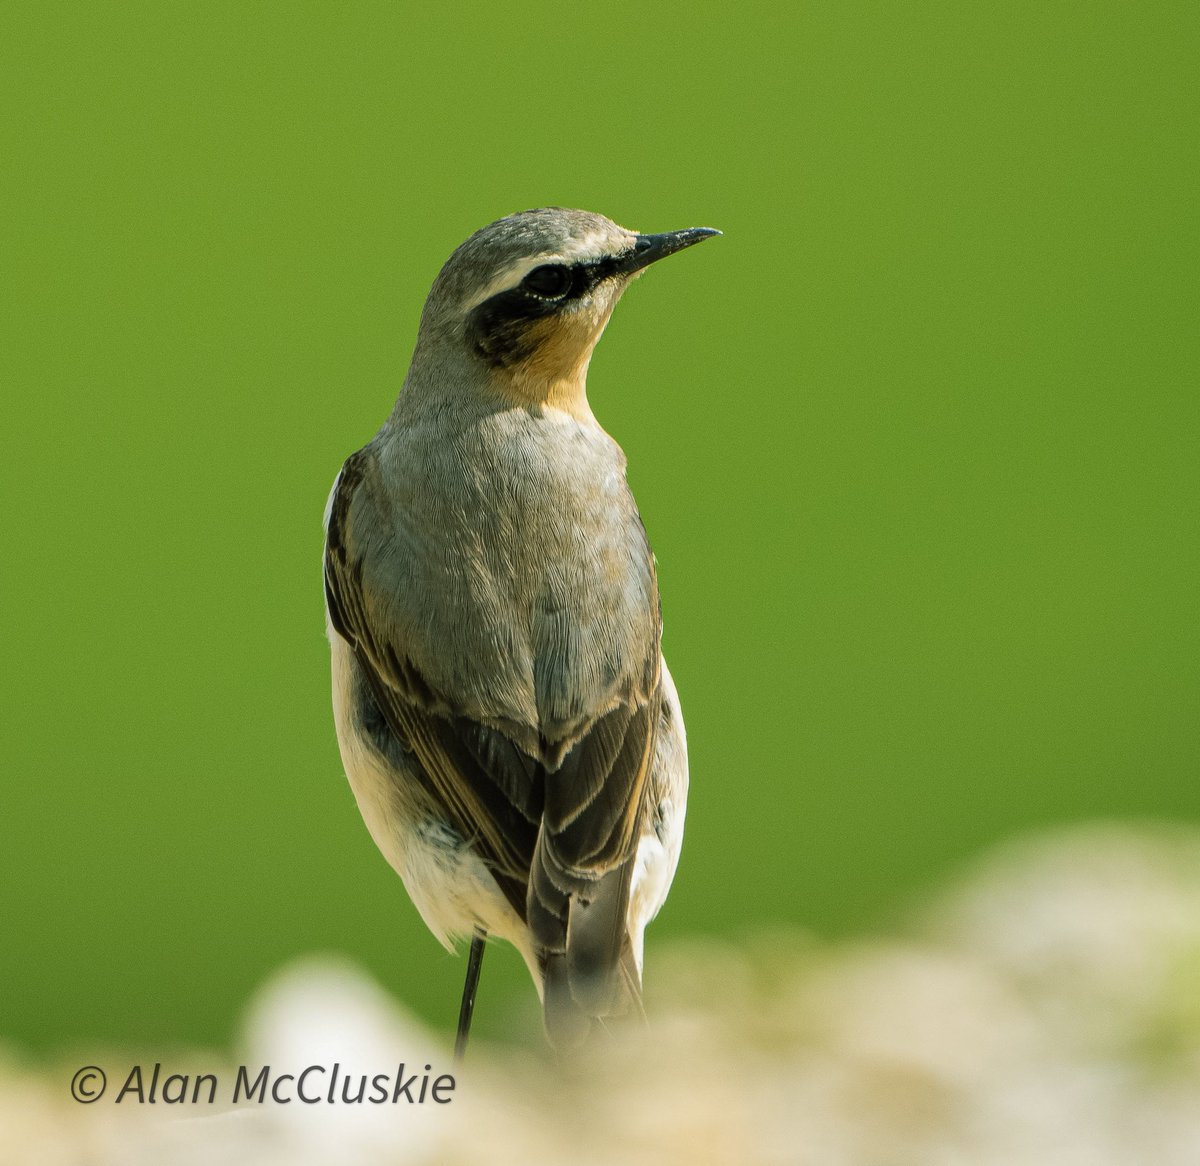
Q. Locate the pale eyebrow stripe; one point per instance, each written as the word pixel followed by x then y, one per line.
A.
pixel 586 250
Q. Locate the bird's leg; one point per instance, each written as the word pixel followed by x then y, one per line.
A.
pixel 467 1008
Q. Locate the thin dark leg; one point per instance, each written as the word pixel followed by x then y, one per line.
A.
pixel 474 963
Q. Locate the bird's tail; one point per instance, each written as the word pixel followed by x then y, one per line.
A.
pixel 570 1023
pixel 590 974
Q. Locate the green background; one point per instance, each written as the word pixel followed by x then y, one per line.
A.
pixel 916 444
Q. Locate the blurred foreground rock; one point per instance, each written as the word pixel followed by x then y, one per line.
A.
pixel 1044 1011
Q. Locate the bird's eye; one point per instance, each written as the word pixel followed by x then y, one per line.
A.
pixel 551 281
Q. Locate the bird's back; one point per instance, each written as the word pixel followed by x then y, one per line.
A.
pixel 516 568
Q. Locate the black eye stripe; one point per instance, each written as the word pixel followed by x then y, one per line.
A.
pixel 498 328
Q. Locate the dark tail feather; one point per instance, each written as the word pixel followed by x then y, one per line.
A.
pixel 579 926
pixel 596 939
pixel 569 1025
pixel 596 977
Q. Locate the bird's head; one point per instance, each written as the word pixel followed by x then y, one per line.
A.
pixel 527 297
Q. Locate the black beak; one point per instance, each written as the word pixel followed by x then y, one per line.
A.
pixel 649 248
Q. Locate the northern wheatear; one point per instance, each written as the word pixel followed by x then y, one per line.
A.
pixel 509 728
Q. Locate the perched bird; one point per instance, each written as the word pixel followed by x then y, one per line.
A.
pixel 507 723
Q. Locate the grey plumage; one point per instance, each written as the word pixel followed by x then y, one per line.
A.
pixel 505 718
